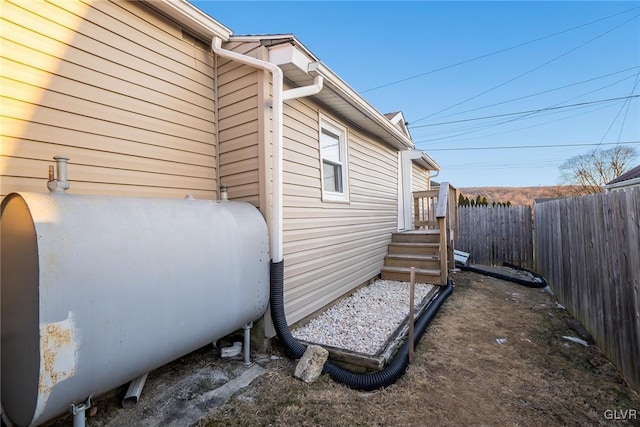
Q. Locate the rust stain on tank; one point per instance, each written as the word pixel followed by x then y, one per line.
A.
pixel 57 354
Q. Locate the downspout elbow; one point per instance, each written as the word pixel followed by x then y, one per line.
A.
pixel 301 92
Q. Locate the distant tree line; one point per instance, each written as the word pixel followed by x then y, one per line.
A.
pixel 479 201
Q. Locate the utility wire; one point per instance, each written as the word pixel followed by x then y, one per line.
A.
pixel 624 119
pixel 545 91
pixel 524 115
pixel 618 114
pixel 528 111
pixel 496 52
pixel 522 128
pixel 488 126
pixel 497 123
pixel 529 71
pixel 517 147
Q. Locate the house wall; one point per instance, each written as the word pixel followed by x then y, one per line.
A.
pixel 116 87
pixel 331 248
pixel 419 178
pixel 241 123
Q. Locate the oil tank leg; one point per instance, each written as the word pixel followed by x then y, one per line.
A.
pixel 247 343
pixel 78 412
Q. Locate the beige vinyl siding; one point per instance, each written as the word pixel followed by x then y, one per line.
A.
pixel 239 124
pixel 419 178
pixel 114 86
pixel 331 247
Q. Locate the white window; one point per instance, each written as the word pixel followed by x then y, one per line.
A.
pixel 333 158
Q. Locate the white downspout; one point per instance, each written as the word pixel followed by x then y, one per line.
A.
pixel 279 95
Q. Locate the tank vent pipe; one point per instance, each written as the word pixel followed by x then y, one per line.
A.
pixel 224 193
pixel 59 185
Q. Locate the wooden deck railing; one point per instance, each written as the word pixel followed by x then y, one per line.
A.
pixel 438 209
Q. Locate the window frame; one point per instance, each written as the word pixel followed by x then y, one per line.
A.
pixel 335 128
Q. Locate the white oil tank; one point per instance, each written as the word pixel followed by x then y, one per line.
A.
pixel 96 291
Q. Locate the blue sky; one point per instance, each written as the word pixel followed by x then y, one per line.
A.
pixel 373 45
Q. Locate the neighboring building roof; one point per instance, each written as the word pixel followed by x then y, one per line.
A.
pixel 398 120
pixel 633 173
pixel 628 179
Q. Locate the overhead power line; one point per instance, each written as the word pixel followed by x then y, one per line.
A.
pixel 620 111
pixel 546 91
pixel 517 147
pixel 525 112
pixel 497 51
pixel 423 141
pixel 529 71
pixel 624 120
pixel 520 117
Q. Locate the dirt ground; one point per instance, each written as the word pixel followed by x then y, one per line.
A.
pixel 493 355
pixel 462 374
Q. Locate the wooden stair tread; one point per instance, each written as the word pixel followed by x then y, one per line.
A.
pixel 424 271
pixel 415 244
pixel 414 256
pixel 431 231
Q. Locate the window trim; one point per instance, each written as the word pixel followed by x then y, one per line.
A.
pixel 343 141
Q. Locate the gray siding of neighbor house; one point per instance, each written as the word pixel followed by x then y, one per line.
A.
pixel 115 86
pixel 330 248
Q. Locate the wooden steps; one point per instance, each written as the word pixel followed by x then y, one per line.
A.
pixel 419 249
pixel 420 236
pixel 426 262
pixel 414 248
pixel 402 274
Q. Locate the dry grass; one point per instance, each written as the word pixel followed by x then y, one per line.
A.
pixel 461 375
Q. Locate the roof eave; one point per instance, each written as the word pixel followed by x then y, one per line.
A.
pixel 336 94
pixel 391 134
pixel 422 159
pixel 192 18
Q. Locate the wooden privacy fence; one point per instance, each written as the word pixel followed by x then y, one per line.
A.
pixel 588 249
pixel 493 235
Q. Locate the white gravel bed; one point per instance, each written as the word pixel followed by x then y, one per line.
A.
pixel 365 320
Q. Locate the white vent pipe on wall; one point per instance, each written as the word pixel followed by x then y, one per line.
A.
pixel 59 185
pixel 279 96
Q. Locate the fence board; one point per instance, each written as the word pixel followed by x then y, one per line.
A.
pixel 588 248
pixel 493 235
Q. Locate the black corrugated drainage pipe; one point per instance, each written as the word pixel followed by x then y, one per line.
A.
pixel 541 282
pixel 364 382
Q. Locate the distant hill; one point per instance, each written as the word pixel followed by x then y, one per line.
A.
pixel 520 195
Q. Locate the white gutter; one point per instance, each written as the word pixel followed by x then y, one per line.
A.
pixel 279 96
pixel 352 97
pixel 192 18
pixel 338 89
